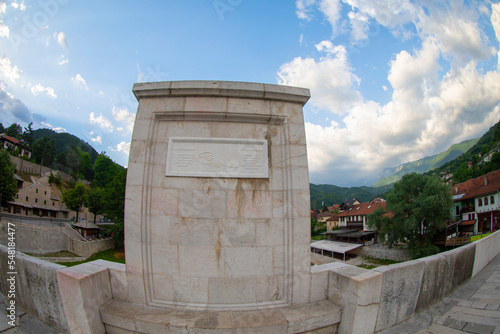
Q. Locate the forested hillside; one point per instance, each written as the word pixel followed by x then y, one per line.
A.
pixel 330 194
pixel 64 142
pixel 480 159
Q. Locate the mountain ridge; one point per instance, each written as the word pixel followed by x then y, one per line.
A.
pixel 426 164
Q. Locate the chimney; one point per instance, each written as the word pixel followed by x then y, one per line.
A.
pixel 485 181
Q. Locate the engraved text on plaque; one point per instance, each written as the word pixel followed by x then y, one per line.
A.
pixel 217 157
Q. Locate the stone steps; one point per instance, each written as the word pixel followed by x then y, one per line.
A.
pixel 122 317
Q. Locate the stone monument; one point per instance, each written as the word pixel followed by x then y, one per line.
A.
pixel 217 211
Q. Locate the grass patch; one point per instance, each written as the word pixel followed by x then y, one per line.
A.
pixel 112 255
pixel 367 266
pixel 56 254
pixel 379 262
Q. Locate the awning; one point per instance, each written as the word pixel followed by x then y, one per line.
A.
pixel 468 222
pixel 335 246
pixel 339 232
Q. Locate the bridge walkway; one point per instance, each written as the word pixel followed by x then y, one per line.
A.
pixel 472 308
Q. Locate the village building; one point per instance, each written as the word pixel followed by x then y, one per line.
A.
pixel 8 142
pixel 476 207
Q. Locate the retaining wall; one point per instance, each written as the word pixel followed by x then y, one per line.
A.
pixel 33 168
pixel 87 248
pixel 37 288
pixel 37 239
pixel 379 251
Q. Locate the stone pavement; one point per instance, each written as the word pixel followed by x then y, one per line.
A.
pixel 472 308
pixel 25 323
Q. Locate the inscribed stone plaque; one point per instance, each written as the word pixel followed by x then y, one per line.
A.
pixel 217 157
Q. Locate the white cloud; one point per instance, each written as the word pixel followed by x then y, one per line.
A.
pixel 304 8
pixel 11 73
pixel 459 37
pixel 330 79
pixel 3 7
pixel 440 93
pixel 123 147
pixel 97 139
pixel 122 115
pixel 359 23
pixel 79 81
pixel 38 88
pixel 101 121
pixel 61 39
pixel 332 9
pixel 56 129
pixel 62 62
pixel 4 30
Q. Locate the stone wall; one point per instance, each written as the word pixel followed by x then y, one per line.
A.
pixel 373 300
pixel 37 289
pixel 38 239
pixel 41 239
pixel 33 168
pixel 380 251
pixel 88 248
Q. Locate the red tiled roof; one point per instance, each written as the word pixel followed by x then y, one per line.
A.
pixel 9 138
pixel 362 209
pixel 333 218
pixel 483 185
pixel 333 207
pixel 326 214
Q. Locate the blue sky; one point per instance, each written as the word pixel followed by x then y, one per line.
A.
pixel 391 82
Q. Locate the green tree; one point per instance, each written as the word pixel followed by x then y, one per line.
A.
pixel 95 201
pixel 8 183
pixel 28 135
pixel 44 151
pixel 73 161
pixel 84 164
pixel 114 199
pixel 105 170
pixel 14 130
pixel 75 198
pixel 420 207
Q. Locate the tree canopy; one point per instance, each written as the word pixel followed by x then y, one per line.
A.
pixel 44 151
pixel 8 184
pixel 419 206
pixel 75 198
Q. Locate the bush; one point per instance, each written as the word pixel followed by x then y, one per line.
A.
pixel 423 251
pixel 55 178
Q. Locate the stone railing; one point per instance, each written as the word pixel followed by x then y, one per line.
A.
pixel 373 300
pixel 36 288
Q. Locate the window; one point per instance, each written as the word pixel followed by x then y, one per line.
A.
pixel 36 200
pixel 36 191
pixel 26 198
pixel 44 202
pixel 45 192
pixel 486 201
pixel 492 200
pixel 457 210
pixel 52 203
pixel 480 202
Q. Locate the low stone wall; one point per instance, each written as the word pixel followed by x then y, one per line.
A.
pixel 37 288
pixel 33 168
pixel 37 239
pixel 373 300
pixel 380 251
pixel 88 248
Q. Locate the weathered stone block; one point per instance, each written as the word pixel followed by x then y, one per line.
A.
pixel 400 289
